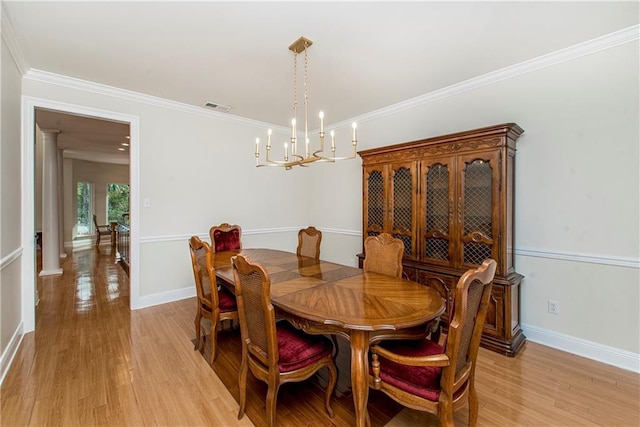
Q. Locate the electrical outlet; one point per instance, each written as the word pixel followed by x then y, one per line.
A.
pixel 554 307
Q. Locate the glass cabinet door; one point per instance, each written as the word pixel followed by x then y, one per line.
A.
pixel 374 200
pixel 402 218
pixel 477 208
pixel 438 224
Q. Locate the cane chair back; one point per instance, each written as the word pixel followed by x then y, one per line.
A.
pixel 423 375
pixel 383 254
pixel 309 240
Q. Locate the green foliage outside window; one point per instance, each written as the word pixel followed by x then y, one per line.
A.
pixel 117 201
pixel 84 201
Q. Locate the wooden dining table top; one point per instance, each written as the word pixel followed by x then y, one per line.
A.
pixel 335 294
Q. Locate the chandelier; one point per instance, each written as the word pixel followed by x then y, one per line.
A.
pixel 295 155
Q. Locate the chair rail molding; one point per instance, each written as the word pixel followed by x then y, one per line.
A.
pixel 613 260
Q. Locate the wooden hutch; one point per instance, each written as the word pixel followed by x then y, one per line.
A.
pixel 450 199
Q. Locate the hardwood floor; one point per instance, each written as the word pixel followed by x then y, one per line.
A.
pixel 92 361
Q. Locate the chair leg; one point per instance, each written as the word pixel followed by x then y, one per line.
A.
pixel 197 322
pixel 445 413
pixel 333 379
pixel 272 397
pixel 213 335
pixel 473 404
pixel 98 238
pixel 242 381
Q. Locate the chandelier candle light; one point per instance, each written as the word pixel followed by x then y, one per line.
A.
pixel 291 156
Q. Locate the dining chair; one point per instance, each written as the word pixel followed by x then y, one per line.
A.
pixel 215 304
pixel 423 375
pixel 226 237
pixel 309 240
pixel 101 230
pixel 383 254
pixel 275 352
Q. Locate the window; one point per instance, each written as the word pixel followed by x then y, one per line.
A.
pixel 117 202
pixel 85 210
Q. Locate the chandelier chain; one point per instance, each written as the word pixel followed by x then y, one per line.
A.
pixel 295 89
pixel 306 99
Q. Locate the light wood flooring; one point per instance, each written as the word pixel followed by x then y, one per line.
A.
pixel 92 361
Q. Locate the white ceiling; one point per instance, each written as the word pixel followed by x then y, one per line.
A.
pixel 365 55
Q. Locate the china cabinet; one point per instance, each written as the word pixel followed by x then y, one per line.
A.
pixel 450 199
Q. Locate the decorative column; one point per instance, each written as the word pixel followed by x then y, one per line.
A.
pixel 63 254
pixel 50 212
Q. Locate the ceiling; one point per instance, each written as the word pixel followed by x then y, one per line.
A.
pixel 365 55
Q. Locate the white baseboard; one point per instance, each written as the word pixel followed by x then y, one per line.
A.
pixel 11 351
pixel 165 297
pixel 602 353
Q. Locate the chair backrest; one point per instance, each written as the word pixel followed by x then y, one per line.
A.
pixel 309 240
pixel 226 237
pixel 204 272
pixel 470 305
pixel 256 313
pixel 383 254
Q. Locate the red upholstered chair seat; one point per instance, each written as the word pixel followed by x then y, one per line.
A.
pixel 423 381
pixel 227 240
pixel 226 301
pixel 297 349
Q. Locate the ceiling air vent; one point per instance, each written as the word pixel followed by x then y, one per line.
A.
pixel 218 107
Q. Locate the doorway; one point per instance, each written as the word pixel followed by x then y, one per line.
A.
pixel 31 108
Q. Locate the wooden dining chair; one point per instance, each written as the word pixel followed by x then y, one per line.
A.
pixel 276 353
pixel 423 375
pixel 309 240
pixel 383 254
pixel 214 304
pixel 101 230
pixel 226 237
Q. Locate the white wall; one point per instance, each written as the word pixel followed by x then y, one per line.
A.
pixel 10 209
pixel 577 191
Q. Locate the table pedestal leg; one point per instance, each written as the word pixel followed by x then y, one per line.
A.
pixel 359 375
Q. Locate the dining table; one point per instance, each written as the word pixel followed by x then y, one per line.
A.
pixel 322 297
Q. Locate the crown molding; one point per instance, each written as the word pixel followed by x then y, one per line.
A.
pixel 128 95
pixel 598 44
pixel 588 47
pixel 96 157
pixel 11 39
